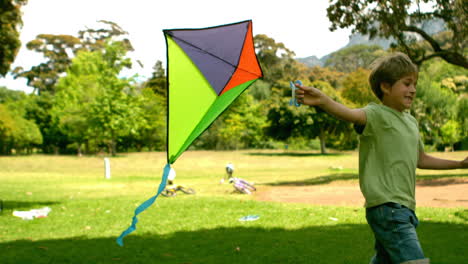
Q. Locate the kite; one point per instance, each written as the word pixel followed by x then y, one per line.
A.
pixel 207 69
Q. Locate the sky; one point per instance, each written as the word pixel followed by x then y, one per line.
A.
pixel 301 25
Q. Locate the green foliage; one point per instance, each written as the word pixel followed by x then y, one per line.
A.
pixel 260 90
pixel 355 88
pixel 157 82
pixel 7 126
pixel 10 23
pixel 437 104
pixel 239 127
pixel 17 133
pixel 402 20
pixel 461 113
pixel 308 122
pixel 458 84
pixel 276 60
pixel 450 77
pixel 325 74
pixel 450 132
pixel 59 51
pixel 93 102
pixel 152 133
pixel 7 95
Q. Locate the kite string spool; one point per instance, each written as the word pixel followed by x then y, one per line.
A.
pixel 145 205
pixel 293 87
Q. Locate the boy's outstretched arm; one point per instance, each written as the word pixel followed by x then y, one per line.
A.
pixel 314 97
pixel 429 162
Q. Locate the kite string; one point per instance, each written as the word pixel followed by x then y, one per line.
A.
pixel 145 206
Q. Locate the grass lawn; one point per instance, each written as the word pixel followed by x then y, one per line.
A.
pixel 89 212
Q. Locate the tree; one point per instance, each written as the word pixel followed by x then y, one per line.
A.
pixel 16 132
pixel 260 90
pixel 243 124
pixel 402 20
pixel 355 88
pixel 56 49
pixel 276 60
pixel 437 103
pixel 39 111
pixel 460 113
pixel 157 82
pixel 92 101
pixel 325 74
pixel 152 132
pixel 10 22
pixel 59 51
pixel 240 126
pixel 433 107
pixel 308 122
pixel 450 133
pixel 7 95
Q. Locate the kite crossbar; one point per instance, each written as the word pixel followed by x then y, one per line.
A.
pixel 293 100
pixel 145 206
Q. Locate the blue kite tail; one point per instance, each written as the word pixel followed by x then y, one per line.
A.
pixel 145 206
pixel 293 87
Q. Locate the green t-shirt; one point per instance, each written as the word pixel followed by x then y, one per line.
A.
pixel 388 156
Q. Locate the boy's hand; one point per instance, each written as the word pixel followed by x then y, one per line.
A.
pixel 309 95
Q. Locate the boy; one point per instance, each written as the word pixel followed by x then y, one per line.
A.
pixel 390 150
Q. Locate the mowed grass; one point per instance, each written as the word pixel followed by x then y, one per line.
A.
pixel 89 211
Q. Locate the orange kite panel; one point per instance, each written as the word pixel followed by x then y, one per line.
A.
pixel 248 67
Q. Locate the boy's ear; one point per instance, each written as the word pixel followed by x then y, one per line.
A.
pixel 385 87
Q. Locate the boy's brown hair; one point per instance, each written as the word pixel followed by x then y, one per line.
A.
pixel 389 69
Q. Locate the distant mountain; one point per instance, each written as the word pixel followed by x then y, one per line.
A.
pixel 431 27
pixel 311 61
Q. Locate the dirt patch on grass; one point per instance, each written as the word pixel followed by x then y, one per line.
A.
pixel 451 192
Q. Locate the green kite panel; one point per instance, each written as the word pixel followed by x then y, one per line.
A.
pixel 190 97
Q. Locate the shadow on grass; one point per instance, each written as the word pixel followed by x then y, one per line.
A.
pixel 293 154
pixel 463 214
pixel 347 243
pixel 317 180
pixel 422 180
pixel 441 179
pixel 22 205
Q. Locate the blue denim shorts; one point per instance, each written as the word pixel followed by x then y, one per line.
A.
pixel 394 228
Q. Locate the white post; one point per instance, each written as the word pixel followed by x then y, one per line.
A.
pixel 107 168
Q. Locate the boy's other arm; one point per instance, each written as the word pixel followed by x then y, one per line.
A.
pixel 314 97
pixel 429 162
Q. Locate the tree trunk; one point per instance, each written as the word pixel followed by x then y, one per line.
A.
pixel 323 150
pixel 80 153
pixel 112 146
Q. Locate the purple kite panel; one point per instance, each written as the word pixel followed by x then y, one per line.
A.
pixel 215 51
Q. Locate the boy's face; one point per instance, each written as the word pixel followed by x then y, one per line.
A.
pixel 401 94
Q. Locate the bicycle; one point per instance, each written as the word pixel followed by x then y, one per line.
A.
pixel 242 186
pixel 172 190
